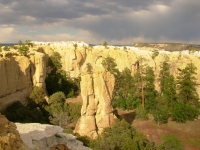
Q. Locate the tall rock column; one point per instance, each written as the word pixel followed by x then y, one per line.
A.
pixel 97 110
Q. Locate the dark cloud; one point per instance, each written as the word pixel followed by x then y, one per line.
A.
pixel 177 20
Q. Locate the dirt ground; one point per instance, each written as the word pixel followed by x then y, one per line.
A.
pixel 189 132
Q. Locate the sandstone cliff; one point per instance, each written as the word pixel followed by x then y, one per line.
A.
pixel 96 90
pixel 18 74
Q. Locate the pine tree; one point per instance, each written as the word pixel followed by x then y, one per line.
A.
pixel 149 89
pixel 186 85
pixel 123 93
pixel 167 85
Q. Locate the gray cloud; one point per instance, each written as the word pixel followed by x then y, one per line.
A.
pixel 113 20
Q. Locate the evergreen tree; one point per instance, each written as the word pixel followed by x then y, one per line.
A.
pixel 122 136
pixel 186 85
pixel 110 65
pixel 123 94
pixel 167 85
pixel 23 50
pixel 149 89
pixel 57 79
pixel 56 109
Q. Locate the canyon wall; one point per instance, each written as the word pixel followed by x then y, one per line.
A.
pixel 18 74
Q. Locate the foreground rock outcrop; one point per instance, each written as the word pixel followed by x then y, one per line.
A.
pixel 43 136
pixel 9 136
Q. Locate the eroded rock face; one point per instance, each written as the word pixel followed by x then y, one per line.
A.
pixel 18 74
pixel 9 136
pixel 96 91
pixel 43 136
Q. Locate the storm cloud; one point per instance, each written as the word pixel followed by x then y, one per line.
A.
pixel 114 21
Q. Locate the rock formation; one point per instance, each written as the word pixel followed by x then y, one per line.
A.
pixel 9 136
pixel 43 136
pixel 96 91
pixel 18 74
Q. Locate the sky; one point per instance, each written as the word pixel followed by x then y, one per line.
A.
pixel 96 21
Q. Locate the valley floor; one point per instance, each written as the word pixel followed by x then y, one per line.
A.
pixel 189 132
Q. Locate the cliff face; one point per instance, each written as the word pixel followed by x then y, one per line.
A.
pixel 96 91
pixel 18 74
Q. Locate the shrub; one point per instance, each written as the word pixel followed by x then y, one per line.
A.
pixel 122 136
pixel 161 115
pixel 17 112
pixel 37 95
pixel 74 111
pixel 23 50
pixel 183 112
pixel 56 109
pixel 68 131
pixel 141 113
pixel 170 142
pixel 6 48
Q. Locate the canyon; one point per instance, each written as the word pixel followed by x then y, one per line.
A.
pixel 18 74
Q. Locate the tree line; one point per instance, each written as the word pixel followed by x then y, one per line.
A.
pixel 177 98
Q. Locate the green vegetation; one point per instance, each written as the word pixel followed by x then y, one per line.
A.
pixel 23 50
pixel 105 44
pixel 36 109
pixel 57 80
pixel 186 85
pixel 89 68
pixel 56 108
pixel 170 142
pixel 110 65
pixel 121 136
pixel 75 46
pixel 6 48
pixel 25 113
pixel 182 112
pixel 37 96
pixel 177 98
pixel 141 113
pixel 62 113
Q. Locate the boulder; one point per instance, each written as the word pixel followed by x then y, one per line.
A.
pixel 43 137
